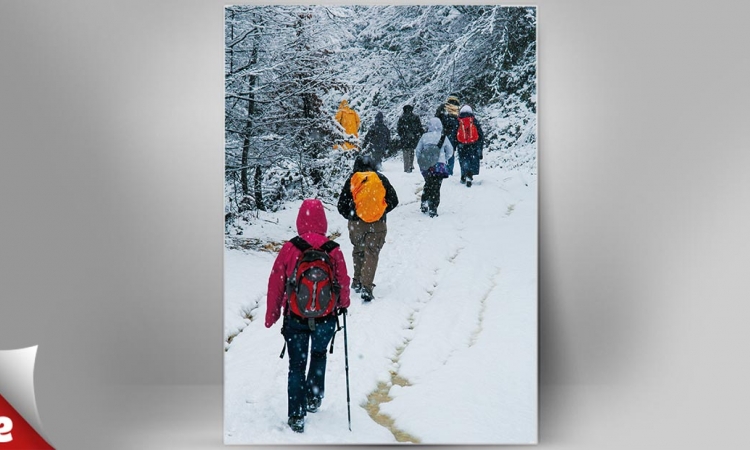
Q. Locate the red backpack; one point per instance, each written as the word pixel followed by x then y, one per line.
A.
pixel 312 290
pixel 467 131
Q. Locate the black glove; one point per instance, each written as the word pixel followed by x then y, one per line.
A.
pixel 340 311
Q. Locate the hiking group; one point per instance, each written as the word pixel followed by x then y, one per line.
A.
pixel 454 130
pixel 309 283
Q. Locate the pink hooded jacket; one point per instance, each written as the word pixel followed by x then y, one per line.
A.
pixel 312 227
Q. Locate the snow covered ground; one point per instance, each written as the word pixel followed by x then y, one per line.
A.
pixel 451 336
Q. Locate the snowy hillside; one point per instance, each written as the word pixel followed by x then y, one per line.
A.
pixel 445 354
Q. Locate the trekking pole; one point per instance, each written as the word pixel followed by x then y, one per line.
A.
pixel 346 365
pixel 283 350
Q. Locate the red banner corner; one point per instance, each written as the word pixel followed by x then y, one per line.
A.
pixel 15 431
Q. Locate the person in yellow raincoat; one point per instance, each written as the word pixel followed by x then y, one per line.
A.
pixel 349 120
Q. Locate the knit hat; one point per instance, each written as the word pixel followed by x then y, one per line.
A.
pixel 453 99
pixel 363 163
pixel 466 109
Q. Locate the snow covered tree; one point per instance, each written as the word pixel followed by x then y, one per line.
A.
pixel 288 67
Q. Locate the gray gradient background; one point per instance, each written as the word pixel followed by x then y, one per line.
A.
pixel 111 172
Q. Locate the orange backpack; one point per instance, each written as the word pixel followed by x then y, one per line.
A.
pixel 368 193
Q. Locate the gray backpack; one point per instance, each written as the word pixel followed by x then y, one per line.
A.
pixel 430 154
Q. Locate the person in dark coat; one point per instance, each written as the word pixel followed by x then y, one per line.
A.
pixel 377 140
pixel 448 115
pixel 367 237
pixel 409 130
pixel 470 154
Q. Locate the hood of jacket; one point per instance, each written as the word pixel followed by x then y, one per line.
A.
pixel 379 117
pixel 312 218
pixel 363 163
pixel 435 125
pixel 344 104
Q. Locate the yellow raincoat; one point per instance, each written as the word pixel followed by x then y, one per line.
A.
pixel 349 120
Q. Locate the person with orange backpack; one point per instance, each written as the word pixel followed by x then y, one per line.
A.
pixel 365 200
pixel 470 140
pixel 310 283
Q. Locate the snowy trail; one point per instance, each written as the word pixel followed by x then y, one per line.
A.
pixel 453 323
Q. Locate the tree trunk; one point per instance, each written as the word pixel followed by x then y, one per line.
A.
pixel 258 189
pixel 245 160
pixel 250 112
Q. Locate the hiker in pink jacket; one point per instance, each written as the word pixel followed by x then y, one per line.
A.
pixel 303 334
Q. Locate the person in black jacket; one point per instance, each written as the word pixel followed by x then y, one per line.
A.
pixel 409 130
pixel 377 141
pixel 448 115
pixel 367 220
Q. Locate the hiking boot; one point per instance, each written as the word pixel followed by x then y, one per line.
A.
pixel 313 404
pixel 463 179
pixel 356 286
pixel 433 213
pixel 366 294
pixel 423 208
pixel 297 424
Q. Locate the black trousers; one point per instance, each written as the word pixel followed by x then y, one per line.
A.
pixel 431 192
pixel 300 340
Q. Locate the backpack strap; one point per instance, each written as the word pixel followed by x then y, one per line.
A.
pixel 303 245
pixel 300 243
pixel 329 246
